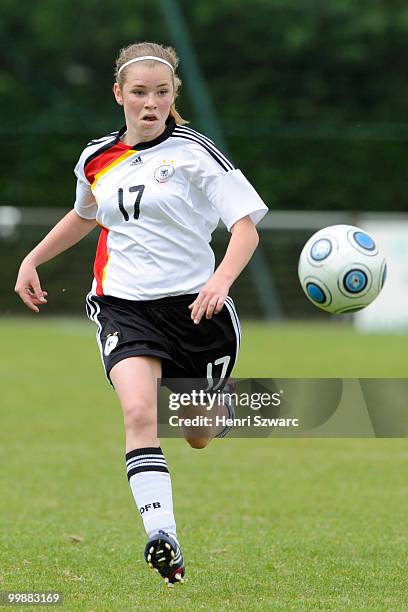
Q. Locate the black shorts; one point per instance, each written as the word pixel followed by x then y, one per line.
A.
pixel 164 328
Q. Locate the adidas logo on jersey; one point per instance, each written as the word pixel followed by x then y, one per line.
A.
pixel 137 161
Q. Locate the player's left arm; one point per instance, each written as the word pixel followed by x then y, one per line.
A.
pixel 243 242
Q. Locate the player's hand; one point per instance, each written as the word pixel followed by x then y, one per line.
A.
pixel 28 287
pixel 210 300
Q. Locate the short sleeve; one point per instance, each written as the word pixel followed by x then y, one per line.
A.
pixel 234 198
pixel 85 204
pixel 225 187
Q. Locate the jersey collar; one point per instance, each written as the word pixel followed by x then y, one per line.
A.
pixel 170 125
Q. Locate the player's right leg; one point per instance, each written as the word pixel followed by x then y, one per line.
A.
pixel 135 382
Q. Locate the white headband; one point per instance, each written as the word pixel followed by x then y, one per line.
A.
pixel 145 57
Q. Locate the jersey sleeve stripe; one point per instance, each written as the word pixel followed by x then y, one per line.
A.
pixel 204 141
pixel 209 142
pixel 226 165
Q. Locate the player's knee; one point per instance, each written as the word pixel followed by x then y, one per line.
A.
pixel 198 443
pixel 139 415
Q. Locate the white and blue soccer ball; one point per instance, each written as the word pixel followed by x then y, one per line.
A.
pixel 341 269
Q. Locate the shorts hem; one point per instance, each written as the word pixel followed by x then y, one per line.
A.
pixel 134 353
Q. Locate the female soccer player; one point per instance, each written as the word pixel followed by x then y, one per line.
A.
pixel 157 190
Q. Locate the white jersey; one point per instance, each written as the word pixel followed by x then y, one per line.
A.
pixel 157 204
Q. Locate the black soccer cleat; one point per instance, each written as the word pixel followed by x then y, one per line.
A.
pixel 163 554
pixel 230 405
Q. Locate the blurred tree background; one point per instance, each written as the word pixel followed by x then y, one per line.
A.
pixel 311 94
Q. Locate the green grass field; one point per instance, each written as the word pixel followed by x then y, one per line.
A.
pixel 265 524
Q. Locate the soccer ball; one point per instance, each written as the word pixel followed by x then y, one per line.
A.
pixel 341 269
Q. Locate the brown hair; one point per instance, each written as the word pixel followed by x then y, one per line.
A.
pixel 147 48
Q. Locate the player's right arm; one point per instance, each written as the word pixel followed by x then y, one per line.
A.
pixel 70 230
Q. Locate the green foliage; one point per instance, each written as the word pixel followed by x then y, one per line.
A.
pixel 311 95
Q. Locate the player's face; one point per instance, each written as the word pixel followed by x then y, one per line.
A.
pixel 146 96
